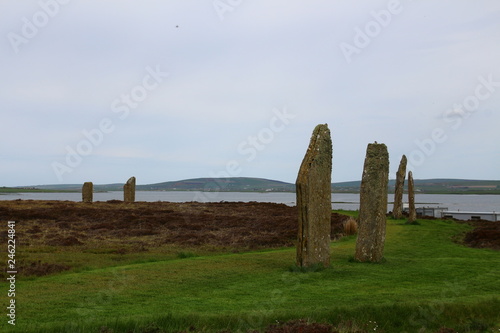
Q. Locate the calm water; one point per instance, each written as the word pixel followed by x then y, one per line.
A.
pixel 348 201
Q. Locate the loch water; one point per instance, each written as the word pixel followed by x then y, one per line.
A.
pixel 346 201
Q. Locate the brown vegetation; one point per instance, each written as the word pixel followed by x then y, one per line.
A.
pixel 142 225
pixel 301 326
pixel 39 268
pixel 115 227
pixel 350 226
pixel 486 234
pixel 304 326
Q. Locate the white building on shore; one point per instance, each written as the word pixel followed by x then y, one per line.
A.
pixel 465 215
pixel 443 212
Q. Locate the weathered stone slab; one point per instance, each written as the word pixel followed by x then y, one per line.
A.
pixel 397 210
pixel 411 199
pixel 129 190
pixel 88 192
pixel 373 204
pixel 313 188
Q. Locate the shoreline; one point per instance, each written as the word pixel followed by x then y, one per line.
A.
pixel 7 191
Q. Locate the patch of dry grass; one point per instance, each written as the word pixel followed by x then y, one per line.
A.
pixel 350 227
pixel 71 233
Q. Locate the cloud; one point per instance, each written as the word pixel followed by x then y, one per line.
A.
pixel 226 77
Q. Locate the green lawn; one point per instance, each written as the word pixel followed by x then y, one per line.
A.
pixel 427 281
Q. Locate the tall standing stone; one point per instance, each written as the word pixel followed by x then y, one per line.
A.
pixel 373 204
pixel 411 199
pixel 314 194
pixel 129 190
pixel 397 211
pixel 88 192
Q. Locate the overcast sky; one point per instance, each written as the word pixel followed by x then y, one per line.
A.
pixel 167 90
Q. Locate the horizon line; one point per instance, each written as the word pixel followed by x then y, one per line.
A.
pixel 275 180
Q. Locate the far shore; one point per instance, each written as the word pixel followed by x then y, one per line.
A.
pixel 13 190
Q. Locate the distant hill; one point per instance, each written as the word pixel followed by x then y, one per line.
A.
pixel 434 186
pixel 236 184
pixel 457 186
pixel 246 184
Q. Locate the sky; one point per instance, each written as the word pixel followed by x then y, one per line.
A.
pixel 167 90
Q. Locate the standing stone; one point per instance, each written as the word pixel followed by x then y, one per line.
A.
pixel 373 204
pixel 411 199
pixel 397 211
pixel 129 190
pixel 314 196
pixel 88 192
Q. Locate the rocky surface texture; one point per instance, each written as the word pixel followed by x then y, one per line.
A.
pixel 373 204
pixel 313 188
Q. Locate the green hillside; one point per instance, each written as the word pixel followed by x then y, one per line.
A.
pixel 240 184
pixel 247 184
pixel 458 186
pixel 433 186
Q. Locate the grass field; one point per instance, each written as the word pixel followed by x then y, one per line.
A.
pixel 428 281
